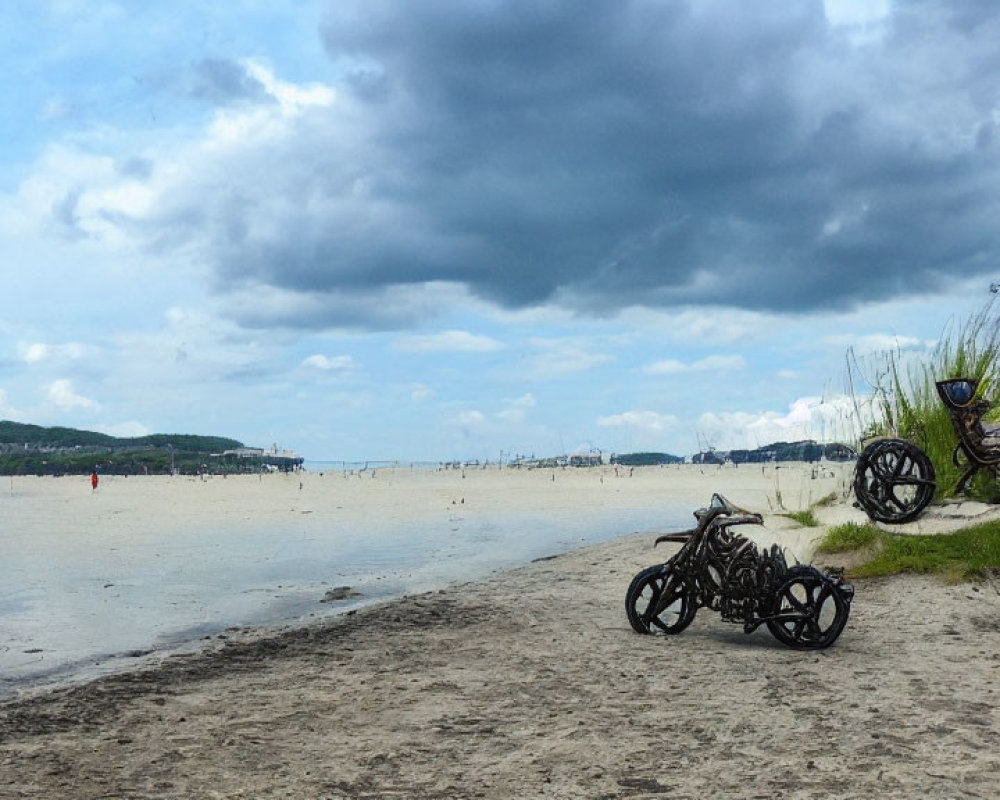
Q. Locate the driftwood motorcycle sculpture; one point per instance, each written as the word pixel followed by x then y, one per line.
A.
pixel 894 480
pixel 718 569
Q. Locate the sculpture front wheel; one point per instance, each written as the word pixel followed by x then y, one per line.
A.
pixel 810 610
pixel 894 481
pixel 658 601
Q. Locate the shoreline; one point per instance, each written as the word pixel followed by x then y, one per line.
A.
pixel 96 580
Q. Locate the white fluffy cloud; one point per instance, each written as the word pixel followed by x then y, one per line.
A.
pixel 36 352
pixel 642 420
pixel 718 363
pixel 830 419
pixel 877 343
pixel 449 342
pixel 61 394
pixel 8 411
pixel 856 12
pixel 125 430
pixel 558 357
pixel 328 363
pixel 470 418
pixel 517 410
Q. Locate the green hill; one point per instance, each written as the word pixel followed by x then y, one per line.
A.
pixel 35 450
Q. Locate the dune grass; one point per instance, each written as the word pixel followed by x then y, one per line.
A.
pixel 967 554
pixel 807 519
pixel 826 501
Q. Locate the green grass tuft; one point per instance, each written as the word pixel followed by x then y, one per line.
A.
pixel 967 554
pixel 806 519
pixel 848 537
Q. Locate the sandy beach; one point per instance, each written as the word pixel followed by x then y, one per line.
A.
pixel 526 683
pixel 148 563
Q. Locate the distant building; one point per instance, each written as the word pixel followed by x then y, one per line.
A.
pixel 807 450
pixel 245 452
pixel 645 459
pixel 275 458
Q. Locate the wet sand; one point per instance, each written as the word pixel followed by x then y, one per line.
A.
pixel 531 684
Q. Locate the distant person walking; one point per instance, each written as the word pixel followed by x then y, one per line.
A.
pixel 93 481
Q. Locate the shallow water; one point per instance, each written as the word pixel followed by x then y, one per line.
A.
pixel 75 613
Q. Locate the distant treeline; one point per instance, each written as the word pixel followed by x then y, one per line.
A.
pixel 645 459
pixel 807 450
pixel 34 450
pixel 18 433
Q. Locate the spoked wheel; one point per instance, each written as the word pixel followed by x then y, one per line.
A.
pixel 894 481
pixel 811 609
pixel 658 602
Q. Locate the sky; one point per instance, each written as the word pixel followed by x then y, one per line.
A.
pixel 381 229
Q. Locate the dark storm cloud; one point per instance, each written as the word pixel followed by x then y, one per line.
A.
pixel 620 152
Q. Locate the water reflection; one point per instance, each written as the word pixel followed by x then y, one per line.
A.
pixel 63 615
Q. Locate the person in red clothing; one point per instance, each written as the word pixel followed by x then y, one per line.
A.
pixel 93 481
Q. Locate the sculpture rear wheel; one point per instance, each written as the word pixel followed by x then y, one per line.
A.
pixel 815 608
pixel 894 481
pixel 658 601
